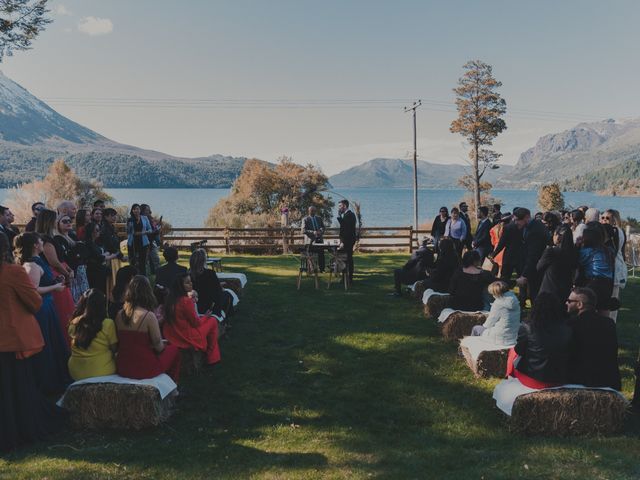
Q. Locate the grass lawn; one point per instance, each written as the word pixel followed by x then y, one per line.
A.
pixel 334 384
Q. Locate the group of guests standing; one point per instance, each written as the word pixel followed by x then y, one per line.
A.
pixel 570 266
pixel 65 318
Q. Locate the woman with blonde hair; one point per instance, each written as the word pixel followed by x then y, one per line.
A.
pixel 503 321
pixel 612 217
pixel 71 251
pixel 211 297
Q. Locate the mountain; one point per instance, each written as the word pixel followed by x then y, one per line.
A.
pixel 33 135
pixel 398 173
pixel 579 157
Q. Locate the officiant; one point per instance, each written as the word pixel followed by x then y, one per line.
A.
pixel 313 230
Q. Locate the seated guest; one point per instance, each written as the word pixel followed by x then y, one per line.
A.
pixel 93 338
pixel 168 272
pixel 558 264
pixel 438 226
pixel 456 229
pixel 26 414
pixel 596 267
pixel 468 284
pixel 211 296
pixel 540 357
pixel 593 356
pixel 36 208
pixel 503 321
pixel 445 266
pixel 123 277
pixel 183 327
pixel 415 269
pixel 142 353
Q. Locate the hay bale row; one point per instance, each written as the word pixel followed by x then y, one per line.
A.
pixel 460 324
pixel 490 363
pixel 191 361
pixel 117 406
pixel 419 290
pixel 567 412
pixel 232 284
pixel 435 305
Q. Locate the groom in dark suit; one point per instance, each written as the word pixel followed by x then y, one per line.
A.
pixel 482 240
pixel 347 221
pixel 313 230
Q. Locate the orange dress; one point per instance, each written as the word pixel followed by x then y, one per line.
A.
pixel 189 330
pixel 496 233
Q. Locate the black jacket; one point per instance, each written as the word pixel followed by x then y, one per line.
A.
pixel 536 238
pixel 544 352
pixel 593 356
pixel 511 243
pixel 210 293
pixel 482 239
pixel 467 290
pixel 167 274
pixel 557 269
pixel 465 218
pixel 11 233
pixel 308 228
pixel 416 268
pixel 443 270
pixel 347 227
pixel 438 226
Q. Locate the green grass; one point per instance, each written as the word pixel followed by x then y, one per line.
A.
pixel 334 384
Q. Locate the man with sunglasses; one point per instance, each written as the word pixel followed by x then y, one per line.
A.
pixel 593 352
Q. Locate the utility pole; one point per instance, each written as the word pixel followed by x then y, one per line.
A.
pixel 413 109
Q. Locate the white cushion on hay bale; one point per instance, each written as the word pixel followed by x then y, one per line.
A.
pixel 434 302
pixel 239 276
pixel 561 411
pixel 485 358
pixel 113 401
pixel 456 324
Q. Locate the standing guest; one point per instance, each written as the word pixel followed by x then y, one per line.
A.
pixel 468 285
pixel 83 216
pixel 110 242
pixel 551 221
pixel 5 248
pixel 313 231
pixel 167 273
pixel 511 245
pixel 456 229
pixel 184 328
pixel 438 226
pixel 464 215
pixel 541 355
pixel 67 207
pixel 538 216
pixel 496 234
pixel 51 363
pixel 612 217
pixel 36 208
pixel 577 225
pixel 591 215
pixel 558 264
pixel 348 235
pixel 566 217
pixel 154 237
pixel 142 353
pixel 73 254
pixel 482 238
pixel 54 257
pixel 138 227
pixel 93 338
pixel 414 270
pixel 123 278
pixel 503 321
pixel 596 262
pixel 99 204
pixel 6 218
pixel 211 296
pixel 96 216
pixel 26 414
pixel 447 263
pixel 96 258
pixel 593 356
pixel 535 241
pixel 497 214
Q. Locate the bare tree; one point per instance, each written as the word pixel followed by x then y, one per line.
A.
pixel 20 23
pixel 480 111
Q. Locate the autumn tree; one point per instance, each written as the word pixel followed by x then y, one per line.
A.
pixel 480 111
pixel 263 190
pixel 550 197
pixel 20 23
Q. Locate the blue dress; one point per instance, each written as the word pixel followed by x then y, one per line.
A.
pixel 50 365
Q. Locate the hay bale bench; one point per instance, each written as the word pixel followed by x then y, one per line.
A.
pixel 459 324
pixel 102 406
pixel 191 361
pixel 418 290
pixel 435 305
pixel 489 363
pixel 232 284
pixel 568 412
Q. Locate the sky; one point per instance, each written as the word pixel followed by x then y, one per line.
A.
pixel 326 82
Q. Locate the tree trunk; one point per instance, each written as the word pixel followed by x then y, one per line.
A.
pixel 476 179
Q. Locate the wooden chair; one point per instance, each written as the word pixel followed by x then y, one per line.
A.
pixel 308 265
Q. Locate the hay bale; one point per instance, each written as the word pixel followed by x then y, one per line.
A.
pixel 232 284
pixel 191 361
pixel 490 363
pixel 568 411
pixel 435 305
pixel 117 406
pixel 419 290
pixel 460 324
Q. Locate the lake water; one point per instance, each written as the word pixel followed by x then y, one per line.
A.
pixel 380 207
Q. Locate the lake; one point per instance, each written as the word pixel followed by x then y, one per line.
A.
pixel 380 206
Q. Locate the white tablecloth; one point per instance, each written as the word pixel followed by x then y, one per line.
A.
pixel 447 312
pixel 240 276
pixel 476 345
pixel 428 293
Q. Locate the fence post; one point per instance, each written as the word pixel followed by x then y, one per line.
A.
pixel 411 239
pixel 226 240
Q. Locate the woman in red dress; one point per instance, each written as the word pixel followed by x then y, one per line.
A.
pixel 142 353
pixel 183 326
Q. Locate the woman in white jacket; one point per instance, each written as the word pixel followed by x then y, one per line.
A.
pixel 503 321
pixel 612 217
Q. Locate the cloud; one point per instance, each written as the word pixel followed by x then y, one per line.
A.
pixel 61 10
pixel 95 26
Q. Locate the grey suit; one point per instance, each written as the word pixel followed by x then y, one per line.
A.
pixel 311 225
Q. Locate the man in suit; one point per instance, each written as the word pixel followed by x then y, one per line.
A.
pixel 535 239
pixel 414 270
pixel 348 236
pixel 464 215
pixel 511 242
pixel 593 352
pixel 313 231
pixel 36 208
pixel 482 239
pixel 167 273
pixel 6 219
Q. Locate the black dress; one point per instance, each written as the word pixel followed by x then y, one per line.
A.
pixel 544 352
pixel 467 290
pixel 557 270
pixel 211 296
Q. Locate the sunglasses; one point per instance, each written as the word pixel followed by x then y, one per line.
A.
pixel 605 218
pixel 65 221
